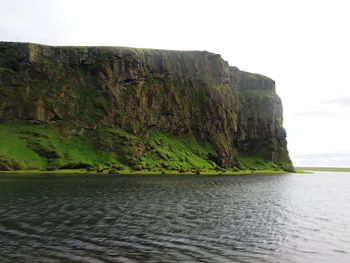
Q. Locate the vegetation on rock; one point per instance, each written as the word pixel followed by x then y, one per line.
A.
pixel 117 108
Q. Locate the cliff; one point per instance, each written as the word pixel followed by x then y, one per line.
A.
pixel 75 107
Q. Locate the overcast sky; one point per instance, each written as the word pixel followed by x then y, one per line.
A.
pixel 304 45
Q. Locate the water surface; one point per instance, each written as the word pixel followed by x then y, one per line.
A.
pixel 128 218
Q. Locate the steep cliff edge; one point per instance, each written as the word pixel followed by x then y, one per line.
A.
pixel 71 107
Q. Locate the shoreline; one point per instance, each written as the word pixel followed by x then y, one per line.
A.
pixel 325 169
pixel 142 172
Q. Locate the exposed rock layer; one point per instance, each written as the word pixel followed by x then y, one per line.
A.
pixel 78 90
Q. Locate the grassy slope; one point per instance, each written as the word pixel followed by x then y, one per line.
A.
pixel 42 147
pixel 173 153
pixel 29 147
pixel 256 163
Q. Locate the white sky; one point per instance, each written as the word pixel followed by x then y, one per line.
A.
pixel 304 45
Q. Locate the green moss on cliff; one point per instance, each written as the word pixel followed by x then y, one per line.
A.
pixel 256 163
pixel 175 152
pixel 14 152
pixel 141 108
pixel 42 147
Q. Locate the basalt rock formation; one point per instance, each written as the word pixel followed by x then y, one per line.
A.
pixel 74 107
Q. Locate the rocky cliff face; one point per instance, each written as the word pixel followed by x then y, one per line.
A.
pixel 144 108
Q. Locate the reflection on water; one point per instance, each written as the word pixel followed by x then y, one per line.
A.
pixel 261 218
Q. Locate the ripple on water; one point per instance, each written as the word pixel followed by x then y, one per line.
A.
pixel 287 218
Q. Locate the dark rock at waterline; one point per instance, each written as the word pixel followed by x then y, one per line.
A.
pixel 113 171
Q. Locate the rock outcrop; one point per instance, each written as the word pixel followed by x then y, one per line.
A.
pixel 132 103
